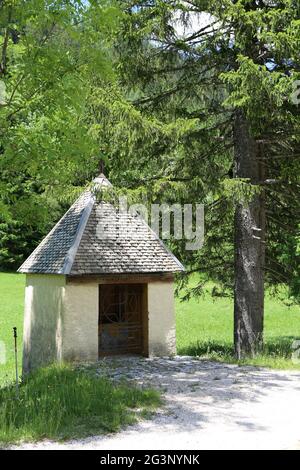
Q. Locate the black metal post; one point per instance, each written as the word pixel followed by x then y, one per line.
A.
pixel 16 360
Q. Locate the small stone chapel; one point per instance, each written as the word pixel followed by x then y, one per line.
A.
pixel 89 296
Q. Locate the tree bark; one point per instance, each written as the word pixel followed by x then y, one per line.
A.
pixel 249 246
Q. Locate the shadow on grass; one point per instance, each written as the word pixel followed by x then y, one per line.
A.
pixel 277 352
pixel 58 402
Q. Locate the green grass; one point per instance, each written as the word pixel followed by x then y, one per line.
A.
pixel 11 314
pixel 59 403
pixel 205 328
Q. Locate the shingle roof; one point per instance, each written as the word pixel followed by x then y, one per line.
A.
pixel 93 238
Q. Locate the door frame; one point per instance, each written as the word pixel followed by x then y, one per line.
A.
pixel 144 319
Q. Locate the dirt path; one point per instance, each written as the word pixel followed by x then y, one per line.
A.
pixel 208 406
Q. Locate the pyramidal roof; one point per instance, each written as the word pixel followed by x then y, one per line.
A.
pixel 93 238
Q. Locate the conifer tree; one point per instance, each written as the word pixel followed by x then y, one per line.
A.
pixel 219 76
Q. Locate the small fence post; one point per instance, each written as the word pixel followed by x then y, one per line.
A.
pixel 16 360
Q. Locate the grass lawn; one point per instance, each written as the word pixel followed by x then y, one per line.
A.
pixel 11 314
pixel 205 328
pixel 59 403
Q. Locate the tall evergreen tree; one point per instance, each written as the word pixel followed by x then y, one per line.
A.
pixel 218 75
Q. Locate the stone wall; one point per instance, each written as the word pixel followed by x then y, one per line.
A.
pixel 161 333
pixel 42 337
pixel 61 320
pixel 80 325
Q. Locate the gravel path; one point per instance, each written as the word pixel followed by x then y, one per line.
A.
pixel 207 406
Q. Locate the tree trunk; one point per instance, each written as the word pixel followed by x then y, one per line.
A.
pixel 249 246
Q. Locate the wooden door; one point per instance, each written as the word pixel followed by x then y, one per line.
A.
pixel 120 319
